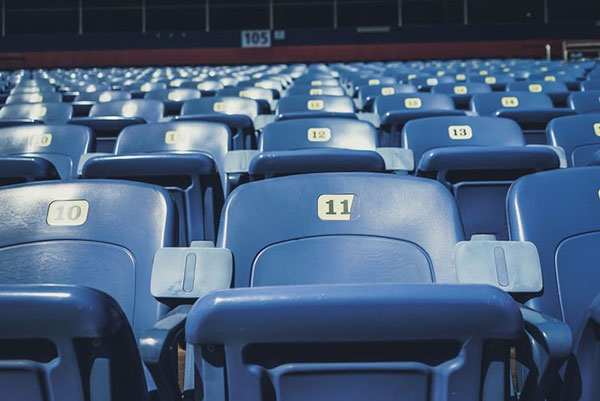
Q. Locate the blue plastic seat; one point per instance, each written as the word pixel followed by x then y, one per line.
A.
pixel 477 158
pixel 368 94
pixel 186 157
pixel 301 106
pixel 138 90
pixel 307 90
pixel 461 93
pixel 173 98
pixel 83 102
pixel 585 102
pixel 317 80
pixel 37 113
pixel 238 113
pixel 97 234
pixel 326 251
pixel 50 345
pixel 532 111
pixel 206 88
pixel 396 110
pixel 557 211
pixel 427 82
pixel 264 97
pixel 578 135
pixel 107 119
pixel 557 91
pixel 308 145
pixel 590 85
pixel 39 152
pixel 498 82
pixel 38 97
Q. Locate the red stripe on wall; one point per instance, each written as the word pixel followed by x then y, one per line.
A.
pixel 280 54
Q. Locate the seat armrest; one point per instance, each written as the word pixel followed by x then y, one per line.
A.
pixel 397 159
pixel 549 345
pixel 158 349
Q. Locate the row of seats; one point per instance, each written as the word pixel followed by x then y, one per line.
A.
pixel 324 280
pixel 345 271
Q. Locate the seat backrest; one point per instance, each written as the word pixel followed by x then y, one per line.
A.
pixel 145 87
pixel 585 102
pixel 371 91
pixel 537 87
pixel 319 104
pixel 412 102
pixel 486 104
pixel 173 95
pixel 461 89
pixel 49 345
pixel 221 105
pixel 248 92
pixel 590 85
pixel 558 211
pixel 307 90
pixel 578 135
pixel 317 80
pixel 148 110
pixel 204 86
pixel 177 137
pixel 307 133
pixel 49 113
pixel 439 132
pixel 341 228
pixel 102 96
pixel 63 145
pixel 496 79
pixel 100 234
pixel 39 97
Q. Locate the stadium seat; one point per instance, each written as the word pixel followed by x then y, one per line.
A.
pixel 38 152
pixel 238 113
pixel 461 93
pixel 299 106
pixel 97 234
pixel 138 90
pixel 557 212
pixel 264 97
pixel 37 113
pixel 498 82
pixel 368 94
pixel 394 111
pixel 38 97
pixel 271 84
pixel 476 158
pixel 186 157
pixel 206 88
pixel 83 102
pixel 108 119
pixel 425 83
pixel 379 235
pixel 532 111
pixel 309 145
pixel 585 102
pixel 579 136
pixel 173 98
pixel 591 85
pixel 557 91
pixel 307 90
pixel 50 345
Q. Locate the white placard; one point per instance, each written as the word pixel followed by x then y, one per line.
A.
pixel 256 38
